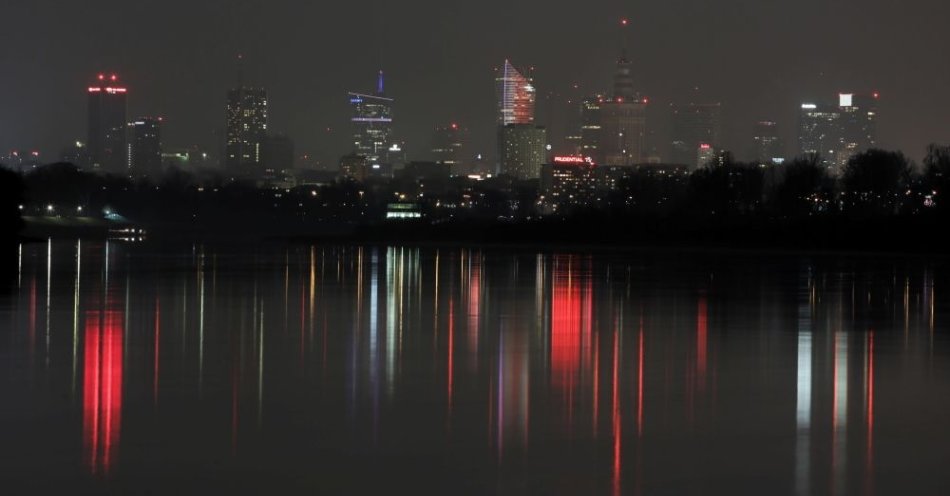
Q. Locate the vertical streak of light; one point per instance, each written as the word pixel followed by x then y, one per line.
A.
pixel 19 266
pixel 157 344
pixel 500 402
pixel 839 455
pixel 435 323
pixel 393 298
pixel 615 393
pixel 451 354
pixel 701 341
pixel 260 368
pixel 640 382
pixel 596 400
pixel 49 275
pixel 870 407
pixel 76 313
pixel 803 408
pixel 201 319
pixel 313 289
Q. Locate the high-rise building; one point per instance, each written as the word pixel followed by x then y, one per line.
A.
pixel 837 132
pixel 448 145
pixel 516 96
pixel 522 150
pixel 246 129
pixel 695 125
pixel 766 143
pixel 107 125
pixel 372 120
pixel 622 120
pixel 145 146
pixel 590 130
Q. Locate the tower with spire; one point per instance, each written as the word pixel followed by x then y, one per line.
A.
pixel 372 120
pixel 623 115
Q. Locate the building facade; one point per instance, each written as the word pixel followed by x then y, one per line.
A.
pixel 516 96
pixel 766 143
pixel 837 132
pixel 145 147
pixel 246 132
pixel 107 149
pixel 523 150
pixel 694 125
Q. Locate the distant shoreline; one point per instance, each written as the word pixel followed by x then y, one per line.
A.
pixel 894 235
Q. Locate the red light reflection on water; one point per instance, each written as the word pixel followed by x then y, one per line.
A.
pixel 102 389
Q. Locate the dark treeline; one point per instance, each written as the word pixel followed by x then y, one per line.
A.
pixel 878 201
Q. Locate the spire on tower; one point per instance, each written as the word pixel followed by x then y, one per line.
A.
pixel 379 83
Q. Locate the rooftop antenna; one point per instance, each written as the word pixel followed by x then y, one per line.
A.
pixel 624 22
pixel 379 84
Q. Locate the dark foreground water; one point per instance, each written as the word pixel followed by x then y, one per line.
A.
pixel 128 369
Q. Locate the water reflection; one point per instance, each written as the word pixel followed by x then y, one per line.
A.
pixel 551 373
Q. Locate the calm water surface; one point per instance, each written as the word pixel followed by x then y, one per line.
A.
pixel 131 369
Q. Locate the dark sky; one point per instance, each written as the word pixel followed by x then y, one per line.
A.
pixel 760 58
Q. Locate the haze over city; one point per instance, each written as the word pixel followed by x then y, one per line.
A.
pixel 760 60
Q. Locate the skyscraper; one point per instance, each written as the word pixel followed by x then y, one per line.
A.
pixel 837 132
pixel 694 125
pixel 766 144
pixel 447 145
pixel 246 129
pixel 372 120
pixel 107 125
pixel 145 146
pixel 590 131
pixel 523 150
pixel 622 120
pixel 516 96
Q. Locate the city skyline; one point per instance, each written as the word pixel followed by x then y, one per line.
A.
pixel 448 64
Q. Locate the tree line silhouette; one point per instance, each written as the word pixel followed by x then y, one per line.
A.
pixel 879 192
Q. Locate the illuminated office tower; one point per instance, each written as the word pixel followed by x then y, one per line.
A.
pixel 694 125
pixel 590 131
pixel 766 144
pixel 106 146
pixel 372 121
pixel 837 132
pixel 145 146
pixel 523 150
pixel 516 96
pixel 448 145
pixel 246 129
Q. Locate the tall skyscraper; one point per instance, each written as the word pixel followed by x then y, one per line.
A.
pixel 107 125
pixel 523 150
pixel 837 132
pixel 695 125
pixel 516 96
pixel 591 128
pixel 622 120
pixel 145 146
pixel 766 144
pixel 372 120
pixel 246 129
pixel 447 145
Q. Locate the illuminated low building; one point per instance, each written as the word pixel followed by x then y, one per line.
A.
pixel 568 181
pixel 403 211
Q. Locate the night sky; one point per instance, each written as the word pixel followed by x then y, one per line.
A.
pixel 760 58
